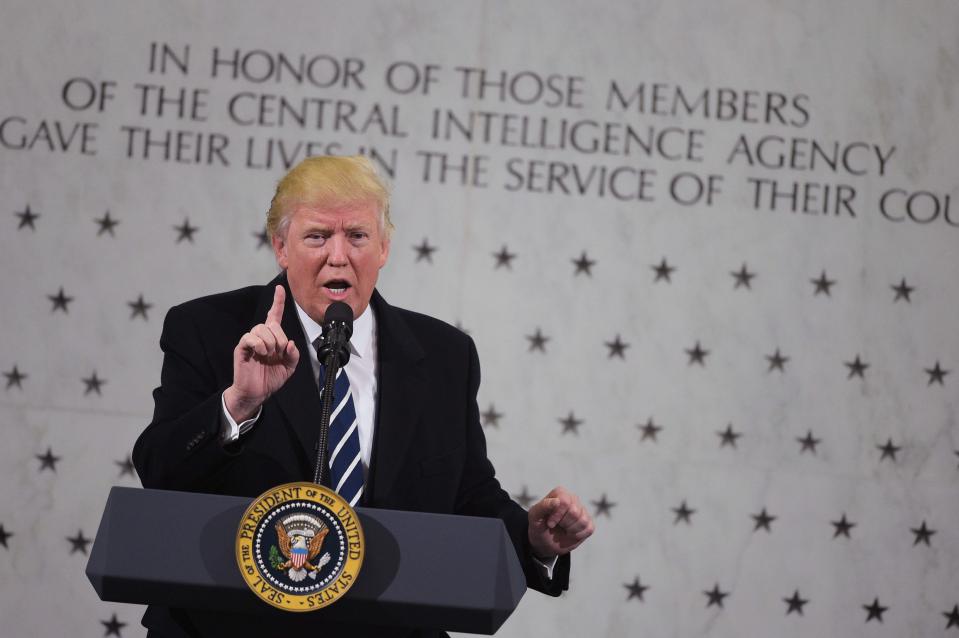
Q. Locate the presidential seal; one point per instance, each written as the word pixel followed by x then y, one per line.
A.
pixel 299 546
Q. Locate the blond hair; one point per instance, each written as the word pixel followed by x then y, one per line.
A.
pixel 329 181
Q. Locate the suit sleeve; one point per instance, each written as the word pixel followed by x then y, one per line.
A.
pixel 180 449
pixel 480 494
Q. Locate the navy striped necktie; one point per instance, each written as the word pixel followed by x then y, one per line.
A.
pixel 343 441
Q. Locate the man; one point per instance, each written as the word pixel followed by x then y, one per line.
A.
pixel 238 406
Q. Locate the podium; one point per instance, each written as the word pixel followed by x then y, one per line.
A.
pixel 423 571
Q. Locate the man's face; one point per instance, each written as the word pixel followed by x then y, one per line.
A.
pixel 332 253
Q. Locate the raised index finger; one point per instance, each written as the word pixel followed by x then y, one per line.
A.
pixel 279 302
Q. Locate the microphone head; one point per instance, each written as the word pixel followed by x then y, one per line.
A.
pixel 337 330
pixel 339 311
pixel 338 327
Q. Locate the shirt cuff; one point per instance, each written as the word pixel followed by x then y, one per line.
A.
pixel 546 567
pixel 230 431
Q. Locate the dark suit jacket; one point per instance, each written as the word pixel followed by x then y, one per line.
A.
pixel 429 451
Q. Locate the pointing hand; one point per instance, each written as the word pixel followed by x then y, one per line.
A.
pixel 263 361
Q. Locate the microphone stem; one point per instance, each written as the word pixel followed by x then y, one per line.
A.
pixel 331 365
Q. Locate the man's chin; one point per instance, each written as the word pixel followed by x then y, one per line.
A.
pixel 350 299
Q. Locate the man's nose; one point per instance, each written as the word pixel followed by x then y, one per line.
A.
pixel 338 250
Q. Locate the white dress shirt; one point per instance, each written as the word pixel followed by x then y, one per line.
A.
pixel 360 370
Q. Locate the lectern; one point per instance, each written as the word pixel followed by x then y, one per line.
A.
pixel 431 571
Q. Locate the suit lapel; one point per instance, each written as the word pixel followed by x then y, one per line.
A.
pixel 402 392
pixel 299 398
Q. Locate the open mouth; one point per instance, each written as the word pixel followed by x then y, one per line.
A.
pixel 337 286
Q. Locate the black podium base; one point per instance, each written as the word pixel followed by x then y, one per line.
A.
pixel 176 549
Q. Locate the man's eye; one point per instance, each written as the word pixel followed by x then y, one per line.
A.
pixel 315 237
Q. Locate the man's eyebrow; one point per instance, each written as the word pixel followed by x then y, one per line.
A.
pixel 357 226
pixel 316 228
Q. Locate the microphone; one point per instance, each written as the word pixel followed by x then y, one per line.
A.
pixel 337 330
pixel 333 352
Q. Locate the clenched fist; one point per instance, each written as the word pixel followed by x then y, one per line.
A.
pixel 558 524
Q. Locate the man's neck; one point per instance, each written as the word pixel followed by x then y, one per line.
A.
pixel 364 326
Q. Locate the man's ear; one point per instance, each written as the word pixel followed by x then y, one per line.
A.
pixel 279 249
pixel 384 251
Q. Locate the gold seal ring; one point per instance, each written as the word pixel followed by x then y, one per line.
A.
pixel 299 546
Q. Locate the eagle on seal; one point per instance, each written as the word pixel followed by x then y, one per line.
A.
pixel 300 550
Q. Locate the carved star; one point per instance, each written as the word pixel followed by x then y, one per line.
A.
pixel 808 442
pixel 491 417
pixel 15 378
pixel 742 277
pixel 617 348
pixel 139 308
pixel 903 290
pixel 635 589
pixel 570 423
pixel 126 467
pixel 796 603
pixel 583 265
pixel 262 238
pixel 79 542
pixel 524 498
pixel 48 461
pixel 27 218
pixel 889 450
pixel 697 355
pixel 4 536
pixel 60 301
pixel 683 513
pixel 776 361
pixel 107 224
pixel 185 231
pixel 504 258
pixel 649 430
pixel 762 519
pixel 93 383
pixel 424 251
pixel 952 617
pixel 936 374
pixel 823 284
pixel 663 271
pixel 875 610
pixel 604 506
pixel 715 596
pixel 856 368
pixel 923 534
pixel 728 436
pixel 842 527
pixel 113 626
pixel 537 341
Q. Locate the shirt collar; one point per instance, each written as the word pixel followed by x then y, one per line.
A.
pixel 361 343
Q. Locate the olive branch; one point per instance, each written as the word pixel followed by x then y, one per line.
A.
pixel 275 558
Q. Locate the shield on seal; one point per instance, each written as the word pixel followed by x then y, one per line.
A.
pixel 298 556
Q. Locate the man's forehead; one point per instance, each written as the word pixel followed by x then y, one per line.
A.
pixel 351 214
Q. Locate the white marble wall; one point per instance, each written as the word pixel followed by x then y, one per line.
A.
pixel 878 79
